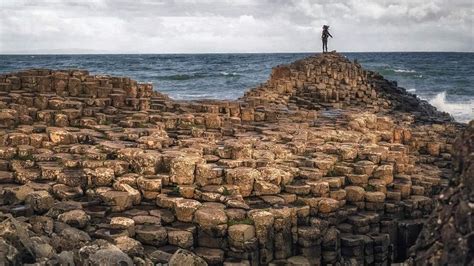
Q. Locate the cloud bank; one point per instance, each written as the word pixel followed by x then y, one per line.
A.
pixel 209 26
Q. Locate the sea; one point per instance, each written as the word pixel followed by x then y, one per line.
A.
pixel 446 80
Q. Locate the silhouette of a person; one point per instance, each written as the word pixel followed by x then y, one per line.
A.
pixel 324 36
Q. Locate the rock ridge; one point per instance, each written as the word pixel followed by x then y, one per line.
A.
pixel 331 80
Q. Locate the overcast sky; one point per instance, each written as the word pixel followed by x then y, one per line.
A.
pixel 214 26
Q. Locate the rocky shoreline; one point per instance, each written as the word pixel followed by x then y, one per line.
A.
pixel 325 163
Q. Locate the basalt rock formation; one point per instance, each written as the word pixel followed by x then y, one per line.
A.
pixel 448 235
pixel 333 81
pixel 326 163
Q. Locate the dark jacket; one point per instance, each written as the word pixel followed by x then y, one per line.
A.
pixel 326 34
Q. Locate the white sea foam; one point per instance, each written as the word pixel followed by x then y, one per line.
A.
pixel 228 74
pixel 411 90
pixel 461 111
pixel 404 70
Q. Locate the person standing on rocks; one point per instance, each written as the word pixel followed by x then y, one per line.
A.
pixel 324 37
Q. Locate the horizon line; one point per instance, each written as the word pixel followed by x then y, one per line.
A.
pixel 211 53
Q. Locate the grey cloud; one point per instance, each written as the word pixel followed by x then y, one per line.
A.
pixel 234 25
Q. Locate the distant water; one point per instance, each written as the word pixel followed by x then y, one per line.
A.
pixel 444 79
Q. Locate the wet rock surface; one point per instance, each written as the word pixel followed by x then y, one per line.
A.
pixel 325 163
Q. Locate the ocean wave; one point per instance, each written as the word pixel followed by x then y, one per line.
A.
pixel 461 111
pixel 233 74
pixel 460 91
pixel 181 77
pixel 401 70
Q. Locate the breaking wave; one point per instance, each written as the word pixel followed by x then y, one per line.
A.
pixel 404 70
pixel 461 111
pixel 233 74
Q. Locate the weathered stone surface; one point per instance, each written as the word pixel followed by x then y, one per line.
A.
pixel 319 188
pixel 241 232
pixel 182 239
pixel 61 136
pixel 208 174
pixel 185 209
pixel 100 176
pixel 105 253
pixel 41 201
pixel 70 238
pixel 184 257
pixel 8 253
pixel 211 255
pixel 182 169
pixel 374 196
pixel 384 172
pixel 243 178
pixel 123 223
pixel 327 205
pixel 212 220
pixel 146 219
pixel 151 234
pixel 119 200
pixel 129 246
pixel 298 260
pixel 358 180
pixel 324 164
pixel 355 193
pixel 75 218
pixel 266 188
pixel 263 221
pixel 6 177
pixel 150 186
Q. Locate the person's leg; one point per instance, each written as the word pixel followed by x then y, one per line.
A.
pixel 325 45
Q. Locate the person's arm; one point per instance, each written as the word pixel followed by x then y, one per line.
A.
pixel 329 34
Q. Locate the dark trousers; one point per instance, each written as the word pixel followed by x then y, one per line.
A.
pixel 325 45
